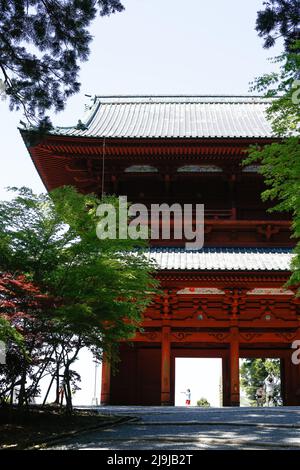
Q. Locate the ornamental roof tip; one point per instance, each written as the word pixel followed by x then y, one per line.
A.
pixel 173 116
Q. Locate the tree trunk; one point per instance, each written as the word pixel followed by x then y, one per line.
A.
pixel 57 378
pixel 22 394
pixel 68 392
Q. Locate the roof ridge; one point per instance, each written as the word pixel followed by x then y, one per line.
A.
pixel 181 99
pixel 183 96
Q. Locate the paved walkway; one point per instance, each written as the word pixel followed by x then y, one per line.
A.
pixel 178 428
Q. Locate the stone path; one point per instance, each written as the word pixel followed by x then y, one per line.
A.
pixel 179 428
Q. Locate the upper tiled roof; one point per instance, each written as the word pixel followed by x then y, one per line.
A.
pixel 174 116
pixel 222 259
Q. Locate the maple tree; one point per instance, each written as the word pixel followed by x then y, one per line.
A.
pixel 73 290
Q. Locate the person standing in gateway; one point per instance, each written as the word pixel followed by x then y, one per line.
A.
pixel 269 388
pixel 187 397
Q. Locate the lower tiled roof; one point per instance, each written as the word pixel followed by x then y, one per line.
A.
pixel 220 259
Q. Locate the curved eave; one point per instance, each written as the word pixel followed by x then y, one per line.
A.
pixel 52 154
pixel 245 278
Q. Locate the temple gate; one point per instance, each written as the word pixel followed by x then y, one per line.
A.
pixel 227 300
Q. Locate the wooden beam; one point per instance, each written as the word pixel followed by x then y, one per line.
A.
pixel 215 336
pixel 213 324
pixel 105 386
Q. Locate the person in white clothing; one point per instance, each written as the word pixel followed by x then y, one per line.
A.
pixel 187 397
pixel 269 385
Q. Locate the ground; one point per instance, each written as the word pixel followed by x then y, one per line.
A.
pixel 181 428
pixel 26 429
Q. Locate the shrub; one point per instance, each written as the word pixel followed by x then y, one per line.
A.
pixel 203 402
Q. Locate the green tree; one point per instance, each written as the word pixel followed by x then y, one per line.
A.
pixel 280 161
pixel 96 289
pixel 254 372
pixel 42 43
pixel 278 19
pixel 7 332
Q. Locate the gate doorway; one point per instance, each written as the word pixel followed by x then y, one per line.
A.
pixel 202 376
pixel 261 381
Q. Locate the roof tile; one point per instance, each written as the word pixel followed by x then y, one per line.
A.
pixel 214 259
pixel 174 116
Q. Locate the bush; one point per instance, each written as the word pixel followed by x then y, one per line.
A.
pixel 203 402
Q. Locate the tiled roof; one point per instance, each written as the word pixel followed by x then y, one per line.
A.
pixel 222 259
pixel 174 116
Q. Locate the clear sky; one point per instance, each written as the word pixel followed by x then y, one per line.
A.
pixel 154 47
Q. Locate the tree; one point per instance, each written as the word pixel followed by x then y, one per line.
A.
pixel 255 371
pixel 280 161
pixel 21 304
pixel 280 18
pixel 7 332
pixel 42 43
pixel 94 291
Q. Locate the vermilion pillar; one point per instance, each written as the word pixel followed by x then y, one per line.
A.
pixel 105 386
pixel 165 366
pixel 291 377
pixel 234 368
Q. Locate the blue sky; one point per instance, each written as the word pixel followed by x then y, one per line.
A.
pixel 154 47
